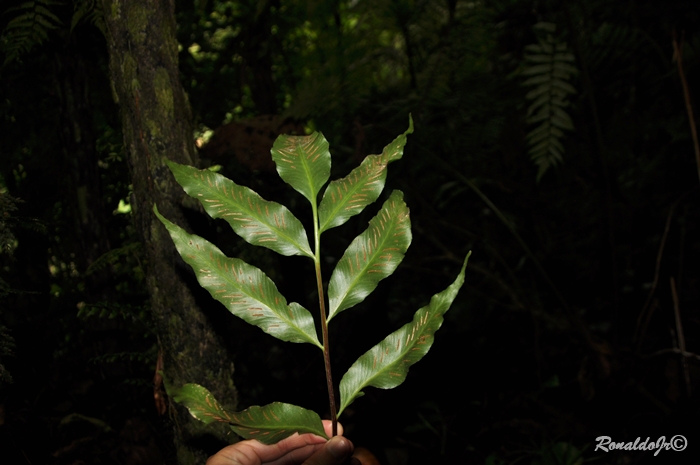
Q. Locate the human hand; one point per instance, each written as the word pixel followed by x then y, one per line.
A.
pixel 304 449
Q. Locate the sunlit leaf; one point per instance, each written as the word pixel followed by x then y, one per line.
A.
pixel 386 365
pixel 258 221
pixel 372 256
pixel 348 196
pixel 268 424
pixel 304 162
pixel 244 289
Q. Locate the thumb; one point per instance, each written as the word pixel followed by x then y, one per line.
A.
pixel 335 452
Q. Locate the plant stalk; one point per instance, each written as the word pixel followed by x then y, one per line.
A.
pixel 324 323
pixel 678 52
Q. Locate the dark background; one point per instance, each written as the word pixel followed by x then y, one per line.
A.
pixel 582 291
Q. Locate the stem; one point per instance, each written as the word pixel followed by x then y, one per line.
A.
pixel 680 336
pixel 678 52
pixel 324 323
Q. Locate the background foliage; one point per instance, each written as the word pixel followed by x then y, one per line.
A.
pixel 582 290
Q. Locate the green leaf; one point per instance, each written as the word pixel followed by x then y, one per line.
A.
pixel 347 197
pixel 535 49
pixel 276 421
pixel 243 289
pixel 567 56
pixel 537 58
pixel 565 86
pixel 303 162
pixel 372 256
pixel 536 92
pixel 268 424
pixel 537 80
pixel 258 221
pixel 386 365
pixel 200 402
pixel 545 26
pixel 538 69
pixel 565 68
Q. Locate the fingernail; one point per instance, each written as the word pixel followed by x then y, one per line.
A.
pixel 339 447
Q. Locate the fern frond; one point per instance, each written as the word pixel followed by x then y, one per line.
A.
pixel 30 27
pixel 613 42
pixel 113 256
pixel 549 69
pixel 87 11
pixel 141 357
pixel 111 310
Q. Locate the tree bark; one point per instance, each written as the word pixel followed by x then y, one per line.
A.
pixel 157 125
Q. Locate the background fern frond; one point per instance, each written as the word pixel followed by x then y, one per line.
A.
pixel 549 69
pixel 113 256
pixel 87 11
pixel 28 28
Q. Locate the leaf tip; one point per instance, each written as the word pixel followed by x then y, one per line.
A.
pixel 396 195
pixel 466 260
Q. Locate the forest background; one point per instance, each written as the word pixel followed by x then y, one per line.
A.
pixel 554 139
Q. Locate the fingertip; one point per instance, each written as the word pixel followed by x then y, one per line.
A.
pixel 328 427
pixel 339 447
pixel 364 457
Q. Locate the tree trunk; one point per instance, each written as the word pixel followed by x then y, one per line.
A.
pixel 157 126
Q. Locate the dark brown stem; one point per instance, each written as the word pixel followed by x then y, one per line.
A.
pixel 326 351
pixel 643 319
pixel 678 52
pixel 681 337
pixel 324 321
pixel 645 315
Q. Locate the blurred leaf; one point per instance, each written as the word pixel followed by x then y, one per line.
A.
pixel 7 345
pixel 29 28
